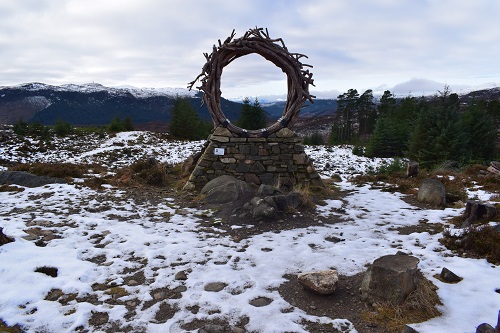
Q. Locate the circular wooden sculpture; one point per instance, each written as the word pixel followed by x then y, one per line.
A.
pixel 272 49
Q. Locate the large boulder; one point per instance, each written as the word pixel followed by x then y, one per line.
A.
pixel 320 282
pixel 224 189
pixel 390 279
pixel 432 191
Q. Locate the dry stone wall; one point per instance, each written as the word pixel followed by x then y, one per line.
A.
pixel 277 160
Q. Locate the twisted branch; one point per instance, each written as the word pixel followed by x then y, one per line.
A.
pixel 258 41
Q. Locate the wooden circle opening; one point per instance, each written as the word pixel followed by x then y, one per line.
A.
pixel 274 50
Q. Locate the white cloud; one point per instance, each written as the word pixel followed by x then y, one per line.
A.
pixel 357 44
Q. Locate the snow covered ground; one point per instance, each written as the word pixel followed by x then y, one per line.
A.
pixel 106 238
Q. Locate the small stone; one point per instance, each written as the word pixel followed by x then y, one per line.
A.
pixel 321 282
pixel 485 328
pixel 54 295
pixel 215 286
pixel 159 295
pixel 179 289
pixel 260 302
pixel 448 276
pixel 132 283
pixel 408 329
pixel 210 328
pixel 235 329
pixel 180 275
pixel 189 186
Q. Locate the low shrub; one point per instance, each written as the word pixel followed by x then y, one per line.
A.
pixel 148 171
pixel 397 165
pixel 476 241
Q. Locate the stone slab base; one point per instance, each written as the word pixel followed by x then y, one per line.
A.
pixel 278 160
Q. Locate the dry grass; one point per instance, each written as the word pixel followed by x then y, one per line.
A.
pixel 9 329
pixel 455 182
pixel 475 241
pixel 58 170
pixel 420 306
pixel 151 173
pixel 10 188
pixel 313 194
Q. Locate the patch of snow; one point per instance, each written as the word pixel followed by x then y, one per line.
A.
pixel 161 240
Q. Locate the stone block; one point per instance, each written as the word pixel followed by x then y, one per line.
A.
pixel 217 166
pixel 257 167
pixel 227 160
pixel 285 133
pixel 218 138
pixel 390 278
pixel 222 131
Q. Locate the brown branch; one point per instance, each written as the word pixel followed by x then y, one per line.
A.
pixel 258 41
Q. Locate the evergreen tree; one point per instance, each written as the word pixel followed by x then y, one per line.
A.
pixel 252 117
pixel 437 136
pixel 116 125
pixel 387 103
pixel 20 127
pixel 128 124
pixel 479 127
pixel 314 139
pixel 344 118
pixel 366 113
pixel 394 126
pixel 185 122
pixel 62 128
pixel 389 138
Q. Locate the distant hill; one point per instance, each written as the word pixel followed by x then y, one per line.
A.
pixel 94 104
pixel 149 108
pixel 320 107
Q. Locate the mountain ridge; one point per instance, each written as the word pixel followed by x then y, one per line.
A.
pixel 95 104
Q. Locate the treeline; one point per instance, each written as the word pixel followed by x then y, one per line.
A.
pixel 63 128
pixel 429 130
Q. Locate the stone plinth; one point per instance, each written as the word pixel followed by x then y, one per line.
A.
pixel 278 160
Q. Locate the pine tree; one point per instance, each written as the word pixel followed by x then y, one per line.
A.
pixel 185 123
pixel 128 124
pixel 437 136
pixel 366 113
pixel 62 128
pixel 387 103
pixel 116 125
pixel 344 117
pixel 480 130
pixel 252 117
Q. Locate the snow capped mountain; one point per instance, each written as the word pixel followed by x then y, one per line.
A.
pixel 88 88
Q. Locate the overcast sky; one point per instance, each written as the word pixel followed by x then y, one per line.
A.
pixel 406 46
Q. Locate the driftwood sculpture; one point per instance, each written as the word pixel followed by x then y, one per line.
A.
pixel 272 49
